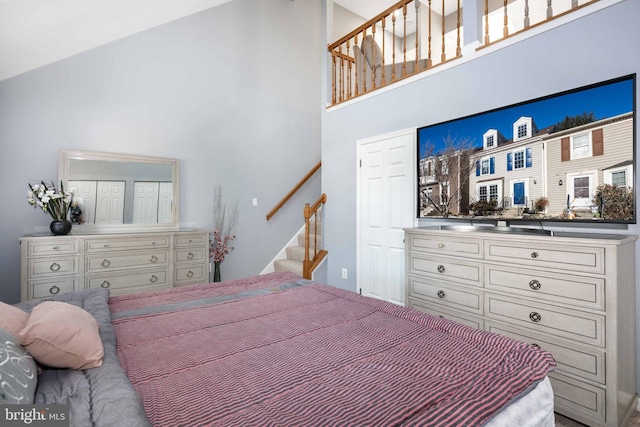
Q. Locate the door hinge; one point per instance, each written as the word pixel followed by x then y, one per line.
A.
pixel 360 291
pixel 360 162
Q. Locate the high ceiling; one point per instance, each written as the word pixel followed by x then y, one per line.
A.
pixel 34 33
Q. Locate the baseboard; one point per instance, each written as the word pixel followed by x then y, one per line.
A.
pixel 283 253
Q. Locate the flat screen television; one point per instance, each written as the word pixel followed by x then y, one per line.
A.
pixel 569 156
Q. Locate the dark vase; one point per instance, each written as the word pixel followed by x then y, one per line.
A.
pixel 60 228
pixel 216 271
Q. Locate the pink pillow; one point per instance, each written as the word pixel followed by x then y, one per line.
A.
pixel 12 319
pixel 62 335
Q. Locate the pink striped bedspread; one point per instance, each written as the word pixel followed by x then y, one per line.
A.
pixel 276 350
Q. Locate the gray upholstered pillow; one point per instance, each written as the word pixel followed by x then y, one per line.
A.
pixel 18 371
pixel 372 52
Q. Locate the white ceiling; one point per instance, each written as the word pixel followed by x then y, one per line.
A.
pixel 34 33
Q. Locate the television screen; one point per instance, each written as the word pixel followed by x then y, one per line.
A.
pixel 569 156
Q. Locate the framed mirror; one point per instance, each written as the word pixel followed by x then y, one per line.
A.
pixel 120 192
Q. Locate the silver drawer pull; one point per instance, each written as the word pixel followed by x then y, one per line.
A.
pixel 441 294
pixel 105 263
pixel 440 245
pixel 105 284
pixel 54 267
pixel 106 245
pixel 534 254
pixel 534 345
pixel 535 317
pixel 189 255
pixel 153 258
pixel 153 279
pixel 55 248
pixel 190 273
pixel 441 268
pixel 54 290
pixel 535 285
pixel 190 240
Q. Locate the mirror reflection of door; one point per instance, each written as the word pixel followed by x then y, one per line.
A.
pixel 110 202
pixel 152 202
pixel 145 202
pixel 165 203
pixel 87 190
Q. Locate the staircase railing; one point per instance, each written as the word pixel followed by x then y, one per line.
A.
pixel 310 263
pixel 414 36
pixel 405 39
pixel 293 191
pixel 513 17
pixel 312 219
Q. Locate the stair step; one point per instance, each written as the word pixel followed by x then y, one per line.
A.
pixel 296 253
pixel 288 265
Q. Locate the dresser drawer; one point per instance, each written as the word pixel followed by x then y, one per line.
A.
pixel 547 255
pixel 463 318
pixel 191 274
pixel 117 260
pixel 129 281
pixel 55 266
pixel 53 247
pixel 547 319
pixel 190 255
pixel 465 272
pixel 446 245
pixel 581 362
pixel 48 288
pixel 132 243
pixel 577 399
pixel 445 295
pixel 191 239
pixel 569 289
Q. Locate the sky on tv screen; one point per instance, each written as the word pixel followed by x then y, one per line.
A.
pixel 604 101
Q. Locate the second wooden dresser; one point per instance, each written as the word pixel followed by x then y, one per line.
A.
pixel 571 294
pixel 122 263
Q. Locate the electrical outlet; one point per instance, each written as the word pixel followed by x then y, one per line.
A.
pixel 344 273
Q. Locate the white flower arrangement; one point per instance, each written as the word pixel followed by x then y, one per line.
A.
pixel 51 201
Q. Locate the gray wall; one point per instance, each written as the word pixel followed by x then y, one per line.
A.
pixel 597 47
pixel 232 92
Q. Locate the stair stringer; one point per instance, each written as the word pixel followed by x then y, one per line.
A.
pixel 283 253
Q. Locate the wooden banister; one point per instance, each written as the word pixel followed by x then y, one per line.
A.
pixel 309 264
pixel 294 190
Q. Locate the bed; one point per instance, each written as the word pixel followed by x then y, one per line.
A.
pixel 280 350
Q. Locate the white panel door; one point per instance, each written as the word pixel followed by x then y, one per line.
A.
pixel 385 208
pixel 145 202
pixel 110 202
pixel 165 203
pixel 87 191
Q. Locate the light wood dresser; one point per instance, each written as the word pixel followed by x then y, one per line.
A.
pixel 122 263
pixel 573 294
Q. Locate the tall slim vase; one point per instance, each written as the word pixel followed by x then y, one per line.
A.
pixel 216 271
